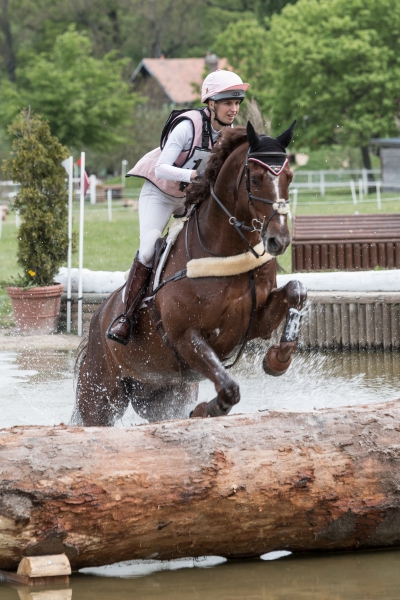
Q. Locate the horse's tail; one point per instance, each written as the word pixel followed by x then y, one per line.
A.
pixel 82 351
pixel 76 419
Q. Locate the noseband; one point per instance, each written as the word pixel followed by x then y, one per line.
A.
pixel 281 207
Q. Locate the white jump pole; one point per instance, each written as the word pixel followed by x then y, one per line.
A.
pixel 81 231
pixel 353 191
pixel 70 199
pixel 109 202
pixel 378 194
pixel 17 219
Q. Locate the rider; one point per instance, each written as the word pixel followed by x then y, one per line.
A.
pixel 168 170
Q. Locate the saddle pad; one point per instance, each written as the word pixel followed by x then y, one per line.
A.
pixel 226 266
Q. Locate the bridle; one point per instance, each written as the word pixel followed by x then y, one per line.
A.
pixel 281 207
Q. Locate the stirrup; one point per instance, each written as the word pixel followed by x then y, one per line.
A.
pixel 113 337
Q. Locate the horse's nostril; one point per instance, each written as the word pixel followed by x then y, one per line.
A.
pixel 273 244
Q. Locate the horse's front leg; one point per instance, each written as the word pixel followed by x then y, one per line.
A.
pixel 199 355
pixel 289 300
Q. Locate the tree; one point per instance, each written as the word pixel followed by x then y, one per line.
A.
pixel 245 45
pixel 7 41
pixel 332 64
pixel 266 8
pixel 86 100
pixel 336 68
pixel 35 163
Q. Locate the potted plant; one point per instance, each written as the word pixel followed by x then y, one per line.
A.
pixel 35 163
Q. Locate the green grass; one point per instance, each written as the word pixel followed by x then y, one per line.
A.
pixel 112 246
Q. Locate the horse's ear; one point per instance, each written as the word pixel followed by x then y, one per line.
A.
pixel 286 137
pixel 252 135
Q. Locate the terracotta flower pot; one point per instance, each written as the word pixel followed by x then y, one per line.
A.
pixel 36 310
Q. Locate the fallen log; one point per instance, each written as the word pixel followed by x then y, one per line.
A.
pixel 234 486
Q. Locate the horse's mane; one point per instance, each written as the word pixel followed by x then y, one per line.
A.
pixel 229 140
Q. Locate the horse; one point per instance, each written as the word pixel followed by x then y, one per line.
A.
pixel 193 325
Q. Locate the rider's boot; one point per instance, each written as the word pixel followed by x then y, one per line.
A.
pixel 135 289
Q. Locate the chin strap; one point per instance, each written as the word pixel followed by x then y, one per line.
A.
pixel 220 122
pixel 214 112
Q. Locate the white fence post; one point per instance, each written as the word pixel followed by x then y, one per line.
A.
pixel 360 189
pixel 365 181
pixel 353 191
pixel 322 183
pixel 109 202
pixel 295 194
pixel 92 188
pixel 123 171
pixel 17 219
pixel 378 194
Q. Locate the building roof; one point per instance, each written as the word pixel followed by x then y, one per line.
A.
pixel 176 76
pixel 387 142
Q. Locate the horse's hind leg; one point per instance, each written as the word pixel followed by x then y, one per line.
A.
pixel 198 353
pixel 169 402
pixel 99 402
pixel 289 299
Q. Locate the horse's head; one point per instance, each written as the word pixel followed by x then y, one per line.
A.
pixel 267 180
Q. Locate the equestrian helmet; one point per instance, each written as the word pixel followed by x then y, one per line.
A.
pixel 223 85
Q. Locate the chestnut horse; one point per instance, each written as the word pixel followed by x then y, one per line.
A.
pixel 240 204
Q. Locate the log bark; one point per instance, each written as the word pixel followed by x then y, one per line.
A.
pixel 235 486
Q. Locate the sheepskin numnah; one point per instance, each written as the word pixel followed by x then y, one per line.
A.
pixel 227 266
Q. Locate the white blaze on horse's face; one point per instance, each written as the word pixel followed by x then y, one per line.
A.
pixel 277 236
pixel 275 181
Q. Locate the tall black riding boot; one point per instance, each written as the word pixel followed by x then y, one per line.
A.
pixel 135 289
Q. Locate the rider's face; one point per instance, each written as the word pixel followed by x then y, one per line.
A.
pixel 226 110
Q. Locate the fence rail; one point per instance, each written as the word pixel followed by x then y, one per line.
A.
pixel 342 178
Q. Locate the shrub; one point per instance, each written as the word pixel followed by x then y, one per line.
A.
pixel 42 201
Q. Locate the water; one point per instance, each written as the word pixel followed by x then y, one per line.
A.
pixel 36 388
pixel 358 576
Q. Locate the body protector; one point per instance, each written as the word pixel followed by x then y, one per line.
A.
pixel 195 158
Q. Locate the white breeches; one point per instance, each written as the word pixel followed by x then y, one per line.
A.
pixel 155 210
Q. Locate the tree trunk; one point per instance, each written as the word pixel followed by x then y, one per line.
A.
pixel 232 486
pixel 367 165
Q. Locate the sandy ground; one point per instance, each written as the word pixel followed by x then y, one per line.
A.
pixel 10 340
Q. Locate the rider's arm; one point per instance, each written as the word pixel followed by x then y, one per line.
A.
pixel 179 140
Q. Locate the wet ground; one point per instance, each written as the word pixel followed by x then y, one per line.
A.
pixel 36 388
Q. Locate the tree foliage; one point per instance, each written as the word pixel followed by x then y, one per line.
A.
pixel 35 163
pixel 332 64
pixel 133 28
pixel 245 46
pixel 85 100
pixel 336 67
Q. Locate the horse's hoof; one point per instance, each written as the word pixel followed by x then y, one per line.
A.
pixel 271 363
pixel 200 411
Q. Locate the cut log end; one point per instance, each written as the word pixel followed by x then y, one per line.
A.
pixel 44 566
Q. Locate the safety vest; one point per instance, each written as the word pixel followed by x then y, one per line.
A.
pixel 201 142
